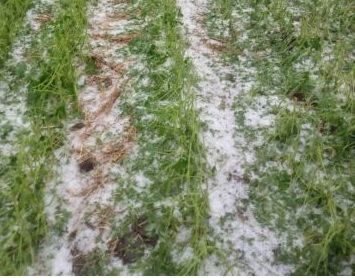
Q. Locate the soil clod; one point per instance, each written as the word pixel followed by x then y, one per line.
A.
pixel 88 264
pixel 130 247
pixel 78 262
pixel 87 165
pixel 72 235
pixel 297 96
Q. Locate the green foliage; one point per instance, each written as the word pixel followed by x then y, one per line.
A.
pixel 12 13
pixel 51 87
pixel 305 165
pixel 170 153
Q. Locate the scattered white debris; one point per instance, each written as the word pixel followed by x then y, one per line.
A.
pixel 12 92
pixel 186 255
pixel 248 245
pixel 142 181
pixel 84 187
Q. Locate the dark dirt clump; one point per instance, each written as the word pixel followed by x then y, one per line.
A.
pixel 297 96
pixel 79 261
pixel 130 247
pixel 88 264
pixel 87 165
pixel 77 126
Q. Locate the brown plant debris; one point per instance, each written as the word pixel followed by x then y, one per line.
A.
pixel 107 105
pixel 110 153
pixel 79 261
pixel 120 39
pixel 235 177
pixel 221 46
pixel 97 181
pixel 85 264
pixel 42 18
pixel 119 16
pixel 77 126
pixel 107 82
pixel 100 62
pixel 104 217
pixel 131 134
pixel 130 247
pixel 216 46
pixel 102 81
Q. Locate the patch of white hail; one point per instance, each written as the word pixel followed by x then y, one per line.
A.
pixel 249 245
pixel 100 140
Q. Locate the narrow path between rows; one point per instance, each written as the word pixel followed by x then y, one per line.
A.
pixel 84 188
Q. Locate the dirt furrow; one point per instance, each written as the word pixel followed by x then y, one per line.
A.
pixel 85 189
